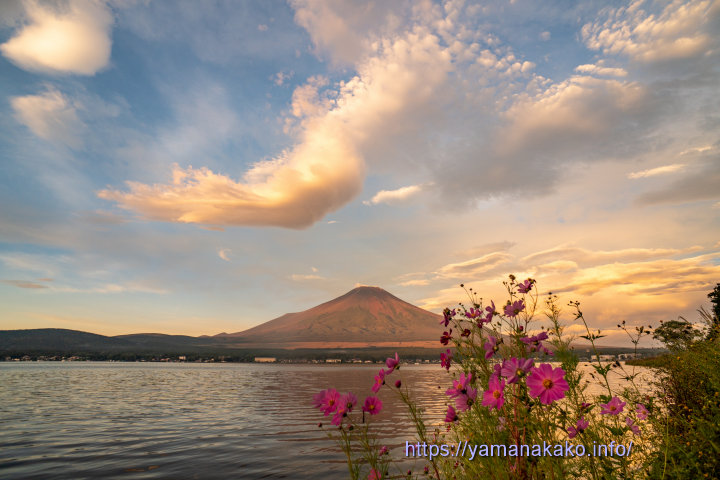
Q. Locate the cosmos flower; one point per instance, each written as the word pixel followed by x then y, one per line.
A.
pixel 447 316
pixel 465 401
pixel 579 427
pixel 491 347
pixel 635 429
pixel 446 337
pixel 345 405
pixel 459 386
pixel 373 405
pixel 613 407
pixel 374 475
pixel 512 309
pixel 515 368
pixel 547 383
pixel 451 415
pixel 642 412
pixel 526 285
pixel 392 364
pixel 327 401
pixel 493 396
pixel 446 359
pixel 379 381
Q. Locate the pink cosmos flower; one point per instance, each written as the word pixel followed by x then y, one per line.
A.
pixel 473 313
pixel 327 401
pixel 446 337
pixel 465 401
pixel 547 383
pixel 446 359
pixel 512 309
pixel 497 369
pixel 345 405
pixel 579 427
pixel 384 451
pixel 451 415
pixel 493 396
pixel 374 475
pixel 515 368
pixel 526 285
pixel 642 412
pixel 459 386
pixel 392 364
pixel 372 405
pixel 613 407
pixel 635 429
pixel 491 347
pixel 465 333
pixel 379 381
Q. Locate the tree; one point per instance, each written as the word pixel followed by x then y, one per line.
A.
pixel 676 334
pixel 714 319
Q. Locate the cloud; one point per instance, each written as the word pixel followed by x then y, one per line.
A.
pixel 51 116
pixel 74 38
pixel 700 185
pixel 301 278
pixel 24 284
pixel 544 36
pixel 651 172
pixel 681 30
pixel 415 283
pixel 224 253
pixel 593 69
pixel 395 197
pixel 475 266
pixel 586 258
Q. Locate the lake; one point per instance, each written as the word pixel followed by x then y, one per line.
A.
pixel 78 420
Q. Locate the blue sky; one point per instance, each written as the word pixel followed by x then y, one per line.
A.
pixel 199 167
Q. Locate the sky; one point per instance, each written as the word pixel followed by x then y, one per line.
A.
pixel 193 168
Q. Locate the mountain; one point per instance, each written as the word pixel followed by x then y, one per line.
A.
pixel 365 316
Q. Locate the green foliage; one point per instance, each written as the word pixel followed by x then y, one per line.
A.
pixel 676 334
pixel 690 394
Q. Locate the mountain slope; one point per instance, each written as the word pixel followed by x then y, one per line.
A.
pixel 364 314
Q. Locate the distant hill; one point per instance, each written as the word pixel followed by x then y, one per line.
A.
pixel 364 315
pixel 59 340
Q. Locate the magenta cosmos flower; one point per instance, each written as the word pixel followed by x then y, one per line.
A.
pixel 613 407
pixel 515 368
pixel 392 364
pixel 526 285
pixel 465 401
pixel 579 427
pixel 512 309
pixel 642 412
pixel 491 347
pixel 459 386
pixel 372 405
pixel 451 415
pixel 446 359
pixel 446 337
pixel 374 475
pixel 345 405
pixel 547 383
pixel 379 381
pixel 493 396
pixel 327 401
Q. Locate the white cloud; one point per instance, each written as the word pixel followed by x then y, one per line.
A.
pixel 51 116
pixel 394 197
pixel 683 29
pixel 224 253
pixel 301 278
pixel 74 38
pixel 651 172
pixel 593 69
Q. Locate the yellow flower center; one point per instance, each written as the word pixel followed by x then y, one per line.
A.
pixel 547 383
pixel 497 393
